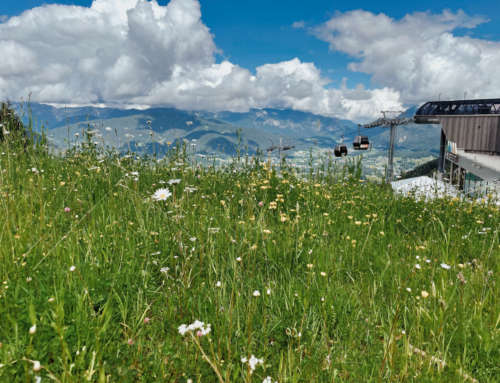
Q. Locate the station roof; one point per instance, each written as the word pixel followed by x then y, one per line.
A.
pixel 459 107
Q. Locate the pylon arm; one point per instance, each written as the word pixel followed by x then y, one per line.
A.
pixel 388 122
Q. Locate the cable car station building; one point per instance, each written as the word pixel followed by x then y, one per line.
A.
pixel 470 142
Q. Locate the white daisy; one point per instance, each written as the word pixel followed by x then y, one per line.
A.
pixel 161 194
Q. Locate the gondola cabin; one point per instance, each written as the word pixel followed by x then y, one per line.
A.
pixel 361 143
pixel 340 150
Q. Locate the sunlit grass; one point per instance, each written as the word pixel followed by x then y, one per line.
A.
pixel 322 276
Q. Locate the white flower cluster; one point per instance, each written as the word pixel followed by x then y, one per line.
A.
pixel 196 325
pixel 445 266
pixel 252 362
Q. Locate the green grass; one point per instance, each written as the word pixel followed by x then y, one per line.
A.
pixel 341 298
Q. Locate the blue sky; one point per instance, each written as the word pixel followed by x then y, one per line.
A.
pixel 248 34
pixel 254 32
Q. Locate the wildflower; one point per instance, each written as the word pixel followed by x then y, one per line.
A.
pixel 147 320
pixel 72 268
pixel 67 209
pixel 196 325
pixel 183 329
pixel 32 329
pixel 408 289
pixel 256 293
pixel 238 259
pixel 174 181
pixel 323 274
pixel 461 278
pixel 445 266
pixel 252 362
pixel 266 231
pixel 261 204
pixel 161 194
pixel 164 270
pixel 310 265
pixel 130 341
pixel 268 379
pixel 424 294
pixel 36 366
pixel 218 284
pixel 268 291
pixel 417 266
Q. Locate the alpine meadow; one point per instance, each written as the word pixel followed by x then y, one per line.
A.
pixel 135 269
pixel 234 191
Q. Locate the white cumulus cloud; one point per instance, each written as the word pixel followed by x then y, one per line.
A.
pixel 121 52
pixel 421 55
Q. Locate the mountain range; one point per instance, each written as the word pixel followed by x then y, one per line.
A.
pixel 155 130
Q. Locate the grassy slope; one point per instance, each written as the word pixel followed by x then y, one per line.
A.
pixel 338 258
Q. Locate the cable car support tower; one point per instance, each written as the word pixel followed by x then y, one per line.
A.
pixel 391 123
